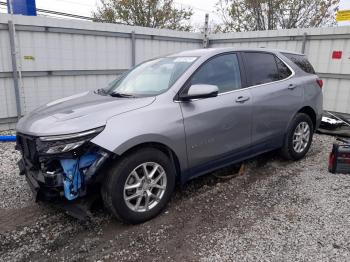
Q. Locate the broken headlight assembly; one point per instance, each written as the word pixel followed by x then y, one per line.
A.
pixel 68 163
pixel 58 144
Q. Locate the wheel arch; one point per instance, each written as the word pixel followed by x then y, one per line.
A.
pixel 308 110
pixel 161 147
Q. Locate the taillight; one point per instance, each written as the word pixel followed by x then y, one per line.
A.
pixel 319 82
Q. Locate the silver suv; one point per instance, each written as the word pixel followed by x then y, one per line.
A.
pixel 169 120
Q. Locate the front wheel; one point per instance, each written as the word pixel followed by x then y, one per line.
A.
pixel 298 138
pixel 139 186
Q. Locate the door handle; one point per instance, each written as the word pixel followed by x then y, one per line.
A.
pixel 242 99
pixel 291 86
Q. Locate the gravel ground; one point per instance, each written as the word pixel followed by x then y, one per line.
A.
pixel 14 192
pixel 276 211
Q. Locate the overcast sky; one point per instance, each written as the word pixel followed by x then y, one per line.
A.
pixel 200 7
pixel 84 7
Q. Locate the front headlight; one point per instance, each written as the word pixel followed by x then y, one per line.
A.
pixel 64 147
pixel 65 143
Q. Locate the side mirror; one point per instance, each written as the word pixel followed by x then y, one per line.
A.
pixel 200 91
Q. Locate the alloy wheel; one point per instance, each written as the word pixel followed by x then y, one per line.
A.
pixel 145 187
pixel 301 137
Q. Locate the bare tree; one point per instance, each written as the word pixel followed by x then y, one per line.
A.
pixel 250 15
pixel 148 13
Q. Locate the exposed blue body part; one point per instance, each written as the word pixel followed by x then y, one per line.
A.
pixel 73 175
pixel 22 7
pixel 7 138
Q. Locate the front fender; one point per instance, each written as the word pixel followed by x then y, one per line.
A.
pixel 142 139
pixel 157 123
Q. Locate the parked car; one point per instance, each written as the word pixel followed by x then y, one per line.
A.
pixel 169 120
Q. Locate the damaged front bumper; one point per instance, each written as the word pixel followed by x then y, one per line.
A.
pixel 69 182
pixel 44 186
pixel 61 177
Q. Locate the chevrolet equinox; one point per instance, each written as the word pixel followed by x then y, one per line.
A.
pixel 168 120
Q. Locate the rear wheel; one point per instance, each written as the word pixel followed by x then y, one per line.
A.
pixel 139 186
pixel 299 137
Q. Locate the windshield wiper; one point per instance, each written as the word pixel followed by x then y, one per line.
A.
pixel 100 91
pixel 116 94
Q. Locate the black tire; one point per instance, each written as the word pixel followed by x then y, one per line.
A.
pixel 113 185
pixel 288 150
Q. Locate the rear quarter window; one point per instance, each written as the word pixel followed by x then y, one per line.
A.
pixel 283 70
pixel 301 61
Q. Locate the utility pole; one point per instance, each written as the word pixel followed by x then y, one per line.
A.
pixel 206 31
pixel 16 74
pixel 270 15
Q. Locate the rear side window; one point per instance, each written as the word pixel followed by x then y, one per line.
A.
pixel 283 70
pixel 222 71
pixel 262 68
pixel 301 61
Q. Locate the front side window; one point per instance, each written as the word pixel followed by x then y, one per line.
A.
pixel 262 68
pixel 150 78
pixel 222 71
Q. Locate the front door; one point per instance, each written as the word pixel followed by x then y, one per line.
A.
pixel 218 128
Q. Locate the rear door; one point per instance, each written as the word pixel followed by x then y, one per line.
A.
pixel 276 97
pixel 311 83
pixel 217 128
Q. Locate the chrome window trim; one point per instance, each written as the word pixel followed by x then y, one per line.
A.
pixel 250 87
pixel 278 81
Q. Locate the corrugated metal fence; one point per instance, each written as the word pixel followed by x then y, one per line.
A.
pixel 58 58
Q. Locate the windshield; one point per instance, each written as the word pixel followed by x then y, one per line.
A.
pixel 150 78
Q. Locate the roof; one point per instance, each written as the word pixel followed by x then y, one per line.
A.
pixel 213 51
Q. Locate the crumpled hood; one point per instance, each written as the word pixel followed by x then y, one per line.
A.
pixel 77 113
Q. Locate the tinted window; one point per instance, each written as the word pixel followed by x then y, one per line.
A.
pixel 301 61
pixel 222 71
pixel 261 68
pixel 283 70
